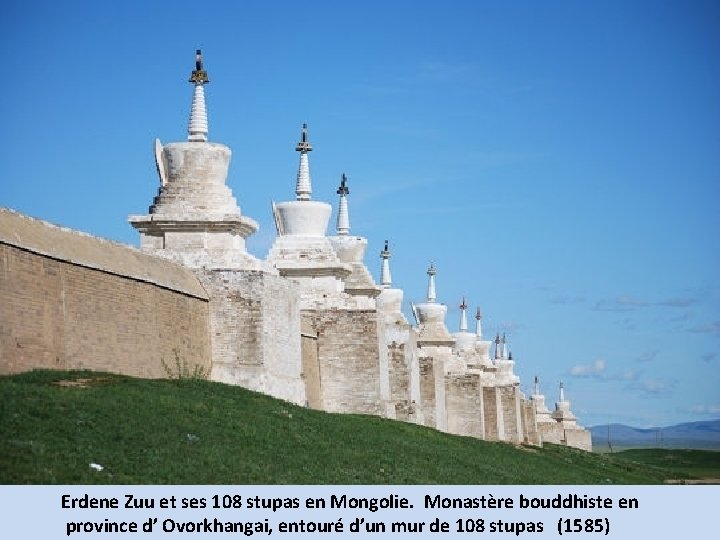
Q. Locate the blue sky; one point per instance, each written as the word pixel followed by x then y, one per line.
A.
pixel 559 162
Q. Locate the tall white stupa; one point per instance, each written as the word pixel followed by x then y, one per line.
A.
pixel 390 299
pixel 302 251
pixel 562 412
pixel 351 250
pixel 194 219
pixel 542 413
pixel 431 317
pixel 504 363
pixel 464 340
pixel 482 346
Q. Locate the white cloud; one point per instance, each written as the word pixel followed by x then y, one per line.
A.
pixel 656 386
pixel 595 369
pixel 627 375
pixel 705 409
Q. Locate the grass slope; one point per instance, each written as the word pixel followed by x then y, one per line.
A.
pixel 687 463
pixel 198 432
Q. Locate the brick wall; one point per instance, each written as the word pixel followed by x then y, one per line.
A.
pixel 551 432
pixel 255 332
pixel 348 359
pixel 463 396
pixel 529 423
pixel 63 315
pixel 579 438
pixel 490 413
pixel 511 417
pixel 399 382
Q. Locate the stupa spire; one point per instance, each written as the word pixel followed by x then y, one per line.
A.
pixel 343 217
pixel 504 346
pixel 431 283
pixel 562 392
pixel 198 124
pixel 478 324
pixel 536 386
pixel 497 346
pixel 463 316
pixel 303 187
pixel 385 277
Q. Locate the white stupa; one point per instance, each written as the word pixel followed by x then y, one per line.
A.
pixel 482 346
pixel 562 412
pixel 542 413
pixel 351 249
pixel 194 218
pixel 431 317
pixel 302 250
pixel 464 340
pixel 504 362
pixel 390 299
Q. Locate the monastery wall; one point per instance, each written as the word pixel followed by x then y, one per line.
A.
pixel 73 301
pixel 255 332
pixel 402 407
pixel 579 438
pixel 551 432
pixel 529 422
pixel 464 404
pixel 348 359
pixel 510 404
pixel 490 417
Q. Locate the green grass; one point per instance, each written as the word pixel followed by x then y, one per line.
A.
pixel 687 463
pixel 199 432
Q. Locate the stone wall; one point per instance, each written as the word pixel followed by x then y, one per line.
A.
pixel 310 363
pixel 529 423
pixel 490 410
pixel 464 405
pixel 579 438
pixel 402 406
pixel 509 400
pixel 348 359
pixel 551 432
pixel 428 398
pixel 255 332
pixel 73 301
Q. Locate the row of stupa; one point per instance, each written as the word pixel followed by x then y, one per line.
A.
pixel 310 325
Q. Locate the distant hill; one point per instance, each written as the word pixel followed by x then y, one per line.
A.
pixel 704 435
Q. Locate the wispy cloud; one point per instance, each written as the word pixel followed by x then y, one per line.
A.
pixel 647 356
pixel 382 188
pixel 444 71
pixel 511 326
pixel 705 409
pixel 564 299
pixel 627 375
pixel 629 303
pixel 429 73
pixel 594 369
pixel 711 328
pixel 708 357
pixel 655 386
pixel 677 302
pixel 621 303
pixel 629 324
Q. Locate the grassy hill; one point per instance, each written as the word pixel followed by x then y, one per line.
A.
pixel 689 463
pixel 53 425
